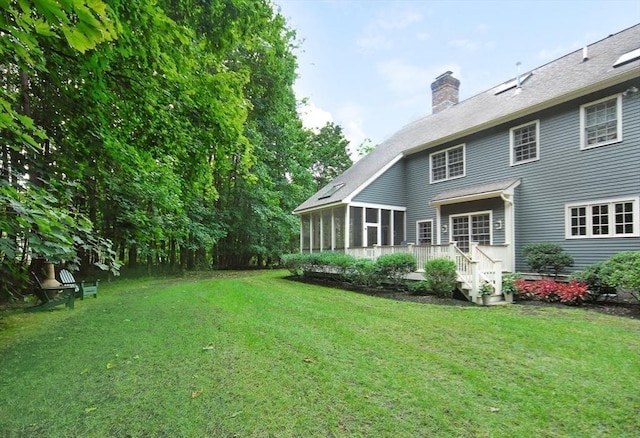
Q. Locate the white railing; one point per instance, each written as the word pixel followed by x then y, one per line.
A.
pixel 490 270
pixel 473 269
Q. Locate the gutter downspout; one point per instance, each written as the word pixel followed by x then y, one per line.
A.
pixel 509 232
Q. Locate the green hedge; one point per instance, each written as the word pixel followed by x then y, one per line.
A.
pixel 387 269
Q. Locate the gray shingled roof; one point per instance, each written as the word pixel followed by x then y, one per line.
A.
pixel 561 80
pixel 476 190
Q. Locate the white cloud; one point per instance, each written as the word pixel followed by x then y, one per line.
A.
pixel 376 42
pixel 352 117
pixel 379 32
pixel 397 19
pixel 408 79
pixel 313 117
pixel 464 44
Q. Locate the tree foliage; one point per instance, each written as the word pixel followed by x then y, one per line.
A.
pixel 166 130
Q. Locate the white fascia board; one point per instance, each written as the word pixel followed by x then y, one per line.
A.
pixel 371 179
pixel 318 208
pixel 379 206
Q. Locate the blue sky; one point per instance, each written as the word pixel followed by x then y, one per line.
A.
pixel 368 64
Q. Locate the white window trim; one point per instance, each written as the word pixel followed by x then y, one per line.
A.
pixel 472 213
pixel 433 236
pixel 583 114
pixel 612 224
pixel 464 163
pixel 512 143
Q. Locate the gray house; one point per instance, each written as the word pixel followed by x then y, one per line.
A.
pixel 552 155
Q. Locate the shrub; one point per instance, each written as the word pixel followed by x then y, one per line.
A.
pixel 572 292
pixel 597 283
pixel 547 258
pixel 361 273
pixel 307 264
pixel 441 276
pixel 395 267
pixel 293 263
pixel 341 262
pixel 622 270
pixel 550 290
pixel 418 287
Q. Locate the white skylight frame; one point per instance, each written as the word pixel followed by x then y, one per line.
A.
pixel 630 56
pixel 512 83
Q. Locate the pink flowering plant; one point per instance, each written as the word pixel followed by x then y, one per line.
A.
pixel 550 290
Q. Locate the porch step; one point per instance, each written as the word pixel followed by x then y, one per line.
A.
pixel 494 300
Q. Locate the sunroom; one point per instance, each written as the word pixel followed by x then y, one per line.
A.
pixel 340 227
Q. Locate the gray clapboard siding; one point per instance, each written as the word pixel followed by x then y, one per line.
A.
pixel 388 189
pixel 563 174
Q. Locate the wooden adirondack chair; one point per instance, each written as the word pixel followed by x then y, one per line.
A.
pixel 65 296
pixel 81 289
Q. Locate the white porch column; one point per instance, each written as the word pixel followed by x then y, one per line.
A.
pixel 509 231
pixel 321 230
pixel 333 230
pixel 347 230
pixel 310 232
pixel 438 231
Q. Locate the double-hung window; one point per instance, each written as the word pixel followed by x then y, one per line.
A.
pixel 447 164
pixel 425 232
pixel 525 143
pixel 607 218
pixel 601 122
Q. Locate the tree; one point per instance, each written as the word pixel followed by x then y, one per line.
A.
pixel 329 154
pixel 365 147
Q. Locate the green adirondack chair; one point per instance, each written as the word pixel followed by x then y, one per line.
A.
pixel 82 289
pixel 50 297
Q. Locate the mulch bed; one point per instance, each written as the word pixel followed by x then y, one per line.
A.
pixel 627 308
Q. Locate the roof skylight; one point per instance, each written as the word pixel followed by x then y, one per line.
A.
pixel 628 57
pixel 331 191
pixel 512 83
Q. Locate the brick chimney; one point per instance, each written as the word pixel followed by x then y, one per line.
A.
pixel 444 92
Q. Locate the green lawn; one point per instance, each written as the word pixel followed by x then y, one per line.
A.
pixel 254 354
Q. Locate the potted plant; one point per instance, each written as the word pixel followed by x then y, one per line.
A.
pixel 486 290
pixel 509 286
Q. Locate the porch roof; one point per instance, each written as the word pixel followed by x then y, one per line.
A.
pixel 475 192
